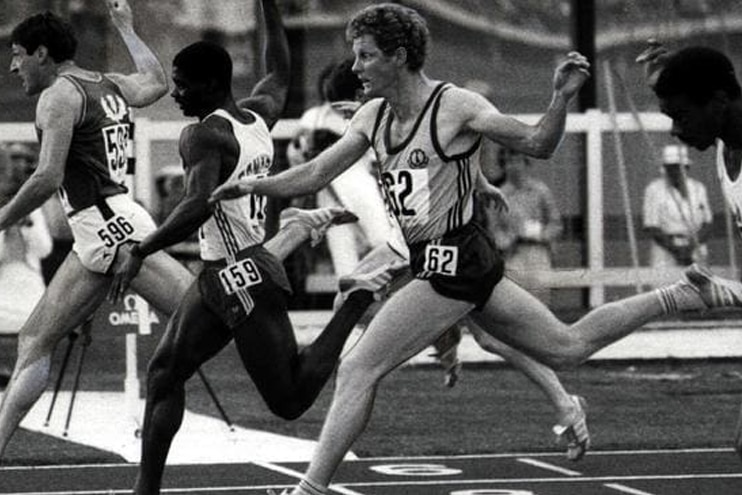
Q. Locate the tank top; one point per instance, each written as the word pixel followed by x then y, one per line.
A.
pixel 239 223
pixel 429 192
pixel 101 145
pixel 731 189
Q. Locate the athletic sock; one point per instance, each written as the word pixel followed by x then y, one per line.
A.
pixel 680 296
pixel 307 487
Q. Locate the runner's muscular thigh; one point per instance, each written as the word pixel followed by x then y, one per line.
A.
pixel 407 323
pixel 71 297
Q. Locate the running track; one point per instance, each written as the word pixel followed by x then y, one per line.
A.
pixel 666 472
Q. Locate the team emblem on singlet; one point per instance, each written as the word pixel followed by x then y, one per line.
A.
pixel 417 158
pixel 116 137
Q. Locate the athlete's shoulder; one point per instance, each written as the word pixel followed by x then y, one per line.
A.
pixel 61 98
pixel 366 116
pixel 206 133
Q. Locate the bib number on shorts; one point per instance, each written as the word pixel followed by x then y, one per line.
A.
pixel 442 260
pixel 117 230
pixel 239 275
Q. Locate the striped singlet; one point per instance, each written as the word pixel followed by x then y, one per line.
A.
pixel 239 223
pixel 429 192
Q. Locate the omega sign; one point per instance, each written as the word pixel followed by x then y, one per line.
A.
pixel 134 307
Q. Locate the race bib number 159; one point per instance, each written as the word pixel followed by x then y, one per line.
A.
pixel 239 275
pixel 442 260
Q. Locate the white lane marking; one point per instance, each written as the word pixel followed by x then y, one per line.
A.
pixel 549 467
pixel 626 489
pixel 299 475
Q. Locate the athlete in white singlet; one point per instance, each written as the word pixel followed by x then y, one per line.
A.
pixel 698 89
pixel 457 270
pixel 241 294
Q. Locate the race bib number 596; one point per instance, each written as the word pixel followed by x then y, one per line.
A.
pixel 442 260
pixel 117 230
pixel 239 275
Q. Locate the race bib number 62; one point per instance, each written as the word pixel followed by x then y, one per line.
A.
pixel 239 275
pixel 442 260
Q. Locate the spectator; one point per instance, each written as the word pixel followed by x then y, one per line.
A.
pixel 22 247
pixel 677 213
pixel 23 159
pixel 528 231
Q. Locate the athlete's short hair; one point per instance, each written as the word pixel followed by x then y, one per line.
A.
pixel 697 72
pixel 393 26
pixel 341 84
pixel 49 30
pixel 203 61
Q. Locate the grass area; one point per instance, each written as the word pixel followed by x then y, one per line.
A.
pixel 493 408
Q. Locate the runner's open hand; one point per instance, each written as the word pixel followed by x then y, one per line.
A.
pixel 653 58
pixel 121 15
pixel 125 268
pixel 571 74
pixel 493 195
pixel 232 190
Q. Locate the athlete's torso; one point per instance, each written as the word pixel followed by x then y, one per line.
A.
pixel 100 147
pixel 429 192
pixel 239 223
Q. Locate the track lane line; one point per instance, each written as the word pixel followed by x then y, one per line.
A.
pixel 549 466
pixel 626 489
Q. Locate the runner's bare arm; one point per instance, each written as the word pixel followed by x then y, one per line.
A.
pixel 56 113
pixel 539 140
pixel 149 83
pixel 314 174
pixel 199 150
pixel 268 97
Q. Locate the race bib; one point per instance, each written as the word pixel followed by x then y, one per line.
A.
pixel 239 275
pixel 117 144
pixel 442 260
pixel 117 230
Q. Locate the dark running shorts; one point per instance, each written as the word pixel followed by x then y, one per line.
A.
pixel 464 264
pixel 230 290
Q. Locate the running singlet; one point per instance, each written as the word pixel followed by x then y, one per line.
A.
pixel 428 192
pixel 100 147
pixel 239 223
pixel 732 189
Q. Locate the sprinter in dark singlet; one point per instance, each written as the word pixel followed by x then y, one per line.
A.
pixel 83 122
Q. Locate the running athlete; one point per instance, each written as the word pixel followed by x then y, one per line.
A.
pixel 242 291
pixel 83 121
pixel 698 89
pixel 426 135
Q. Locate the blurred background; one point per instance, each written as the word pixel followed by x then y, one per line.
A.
pixel 511 46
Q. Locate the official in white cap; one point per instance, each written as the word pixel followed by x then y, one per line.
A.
pixel 676 212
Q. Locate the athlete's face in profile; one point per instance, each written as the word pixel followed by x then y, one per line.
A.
pixel 191 96
pixel 375 70
pixel 26 66
pixel 697 125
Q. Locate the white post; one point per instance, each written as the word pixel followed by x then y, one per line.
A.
pixel 594 156
pixel 131 383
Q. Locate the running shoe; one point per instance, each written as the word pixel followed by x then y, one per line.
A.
pixel 377 272
pixel 318 220
pixel 575 431
pixel 377 280
pixel 715 291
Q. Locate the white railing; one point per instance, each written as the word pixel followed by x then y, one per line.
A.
pixel 593 124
